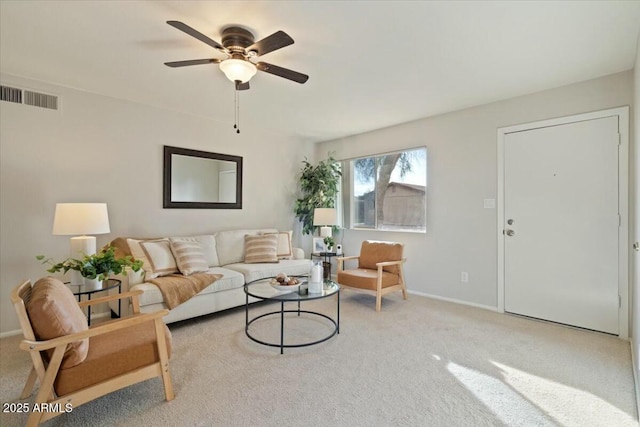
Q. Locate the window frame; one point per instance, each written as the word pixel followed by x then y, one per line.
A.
pixel 348 199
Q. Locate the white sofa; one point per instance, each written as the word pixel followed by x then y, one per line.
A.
pixel 224 251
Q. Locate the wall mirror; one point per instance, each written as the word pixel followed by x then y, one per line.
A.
pixel 201 180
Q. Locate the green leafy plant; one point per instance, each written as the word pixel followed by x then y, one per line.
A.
pixel 319 187
pixel 329 242
pixel 97 266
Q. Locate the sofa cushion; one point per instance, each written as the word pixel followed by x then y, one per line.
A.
pixel 230 280
pixel 54 312
pixel 251 272
pixel 156 256
pixel 230 244
pixel 261 248
pixel 189 256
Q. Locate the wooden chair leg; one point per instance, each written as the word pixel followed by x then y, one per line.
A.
pixel 379 290
pixel 164 360
pixel 31 382
pixel 404 286
pixel 46 386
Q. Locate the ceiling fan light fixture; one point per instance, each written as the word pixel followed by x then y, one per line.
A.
pixel 238 69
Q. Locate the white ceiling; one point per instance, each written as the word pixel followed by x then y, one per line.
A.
pixel 371 64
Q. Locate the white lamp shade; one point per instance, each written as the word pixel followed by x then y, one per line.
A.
pixel 80 218
pixel 238 69
pixel 324 216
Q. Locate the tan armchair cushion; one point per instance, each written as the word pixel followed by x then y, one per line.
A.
pixel 54 312
pixel 113 354
pixel 373 252
pixel 366 279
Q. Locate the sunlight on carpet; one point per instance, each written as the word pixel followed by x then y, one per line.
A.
pixel 506 404
pixel 557 400
pixel 523 399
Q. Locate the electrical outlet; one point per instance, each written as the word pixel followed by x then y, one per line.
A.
pixel 464 277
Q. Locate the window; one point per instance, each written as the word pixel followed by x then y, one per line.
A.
pixel 388 192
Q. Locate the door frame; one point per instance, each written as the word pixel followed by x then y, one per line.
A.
pixel 623 201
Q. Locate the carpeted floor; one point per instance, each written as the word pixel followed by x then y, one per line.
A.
pixel 419 362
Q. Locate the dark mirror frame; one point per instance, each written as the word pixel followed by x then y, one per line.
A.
pixel 166 189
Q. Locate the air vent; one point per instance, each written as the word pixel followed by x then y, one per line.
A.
pixel 28 97
pixel 40 100
pixel 11 94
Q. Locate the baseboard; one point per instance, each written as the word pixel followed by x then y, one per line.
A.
pixel 10 333
pixel 636 374
pixel 453 300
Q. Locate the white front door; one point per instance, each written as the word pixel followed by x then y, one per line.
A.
pixel 561 223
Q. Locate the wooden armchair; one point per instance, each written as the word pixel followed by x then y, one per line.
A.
pixel 379 269
pixel 76 364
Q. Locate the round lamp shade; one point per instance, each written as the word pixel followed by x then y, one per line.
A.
pixel 81 218
pixel 324 216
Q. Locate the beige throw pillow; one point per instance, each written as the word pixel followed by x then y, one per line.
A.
pixel 189 256
pixel 261 248
pixel 284 247
pixel 156 256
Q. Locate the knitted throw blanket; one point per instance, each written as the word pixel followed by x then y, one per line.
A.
pixel 177 288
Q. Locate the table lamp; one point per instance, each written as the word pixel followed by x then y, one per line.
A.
pixel 325 218
pixel 81 218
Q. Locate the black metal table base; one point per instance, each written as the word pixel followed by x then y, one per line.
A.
pixel 281 312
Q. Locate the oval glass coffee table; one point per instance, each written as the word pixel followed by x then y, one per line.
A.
pixel 263 290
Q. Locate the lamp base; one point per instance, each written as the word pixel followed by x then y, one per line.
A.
pixel 325 231
pixel 81 246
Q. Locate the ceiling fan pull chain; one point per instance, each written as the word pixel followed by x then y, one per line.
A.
pixel 237 109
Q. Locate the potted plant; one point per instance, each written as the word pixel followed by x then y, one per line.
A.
pixel 319 186
pixel 98 266
pixel 329 243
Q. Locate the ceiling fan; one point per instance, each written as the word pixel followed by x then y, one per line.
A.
pixel 242 52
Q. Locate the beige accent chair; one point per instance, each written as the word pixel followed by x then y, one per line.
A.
pixel 76 364
pixel 379 269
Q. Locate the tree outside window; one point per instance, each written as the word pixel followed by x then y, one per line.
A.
pixel 389 191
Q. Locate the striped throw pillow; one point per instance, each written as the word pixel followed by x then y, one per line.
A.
pixel 189 257
pixel 155 255
pixel 284 244
pixel 260 248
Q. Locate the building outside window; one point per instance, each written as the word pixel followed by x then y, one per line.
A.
pixel 388 192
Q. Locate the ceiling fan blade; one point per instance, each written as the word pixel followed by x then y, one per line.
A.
pixel 242 86
pixel 275 41
pixel 175 64
pixel 193 33
pixel 282 72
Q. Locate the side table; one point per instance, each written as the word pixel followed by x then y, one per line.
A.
pixel 80 290
pixel 326 264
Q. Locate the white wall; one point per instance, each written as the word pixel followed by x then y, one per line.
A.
pixel 100 149
pixel 462 172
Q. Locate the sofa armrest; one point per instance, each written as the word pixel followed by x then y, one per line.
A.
pixel 298 253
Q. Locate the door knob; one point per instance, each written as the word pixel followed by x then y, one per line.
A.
pixel 510 232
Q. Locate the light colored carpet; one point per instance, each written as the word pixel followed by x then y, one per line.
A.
pixel 419 362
